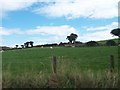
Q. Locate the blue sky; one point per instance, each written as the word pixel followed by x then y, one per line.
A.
pixel 50 21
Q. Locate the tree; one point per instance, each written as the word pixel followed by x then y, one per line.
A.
pixel 92 43
pixel 31 43
pixel 26 44
pixel 116 32
pixel 22 46
pixel 72 37
pixel 69 38
pixel 16 46
pixel 110 43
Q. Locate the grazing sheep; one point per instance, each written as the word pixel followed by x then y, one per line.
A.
pixel 51 47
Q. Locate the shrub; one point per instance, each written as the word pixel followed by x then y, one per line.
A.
pixel 110 43
pixel 92 43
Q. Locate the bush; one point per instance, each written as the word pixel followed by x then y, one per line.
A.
pixel 110 43
pixel 92 43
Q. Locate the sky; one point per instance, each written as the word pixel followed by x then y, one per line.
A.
pixel 51 21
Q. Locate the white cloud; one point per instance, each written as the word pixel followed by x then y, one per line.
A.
pixel 41 30
pixel 53 30
pixel 13 5
pixel 1 41
pixel 47 34
pixel 108 27
pixel 99 33
pixel 68 8
pixel 96 36
pixel 52 34
pixel 81 8
pixel 6 31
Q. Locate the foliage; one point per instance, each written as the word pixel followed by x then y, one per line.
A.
pixel 31 43
pixel 72 37
pixel 92 43
pixel 22 46
pixel 16 46
pixel 116 32
pixel 110 43
pixel 103 42
pixel 28 43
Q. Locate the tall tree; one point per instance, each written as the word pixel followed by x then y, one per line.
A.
pixel 31 43
pixel 69 38
pixel 26 44
pixel 16 46
pixel 22 46
pixel 72 37
pixel 116 32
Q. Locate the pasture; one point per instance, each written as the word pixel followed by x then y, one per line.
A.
pixel 36 61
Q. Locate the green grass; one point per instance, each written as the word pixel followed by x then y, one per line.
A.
pixel 37 59
pixel 83 79
pixel 104 41
pixel 17 63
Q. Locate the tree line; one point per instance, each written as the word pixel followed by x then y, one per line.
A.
pixel 26 45
pixel 72 40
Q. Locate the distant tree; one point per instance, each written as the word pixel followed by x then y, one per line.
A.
pixel 16 46
pixel 116 32
pixel 61 44
pixel 22 46
pixel 69 38
pixel 26 44
pixel 31 43
pixel 92 43
pixel 78 42
pixel 110 43
pixel 72 37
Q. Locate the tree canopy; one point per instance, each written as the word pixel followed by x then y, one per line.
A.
pixel 92 43
pixel 72 37
pixel 110 43
pixel 116 32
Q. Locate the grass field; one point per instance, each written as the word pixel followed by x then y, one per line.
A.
pixel 33 61
pixel 104 41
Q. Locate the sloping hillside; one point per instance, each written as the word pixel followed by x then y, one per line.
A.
pixel 104 41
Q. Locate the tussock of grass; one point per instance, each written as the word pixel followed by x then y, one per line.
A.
pixel 25 80
pixel 86 79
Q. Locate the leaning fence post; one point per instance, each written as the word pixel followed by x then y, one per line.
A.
pixel 54 64
pixel 112 66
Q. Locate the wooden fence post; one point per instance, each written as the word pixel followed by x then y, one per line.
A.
pixel 112 66
pixel 54 64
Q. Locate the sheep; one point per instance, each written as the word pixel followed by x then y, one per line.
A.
pixel 51 47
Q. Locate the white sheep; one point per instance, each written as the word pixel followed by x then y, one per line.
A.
pixel 51 47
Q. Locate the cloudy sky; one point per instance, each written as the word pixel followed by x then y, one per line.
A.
pixel 50 21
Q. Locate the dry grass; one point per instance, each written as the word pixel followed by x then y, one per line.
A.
pixel 86 79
